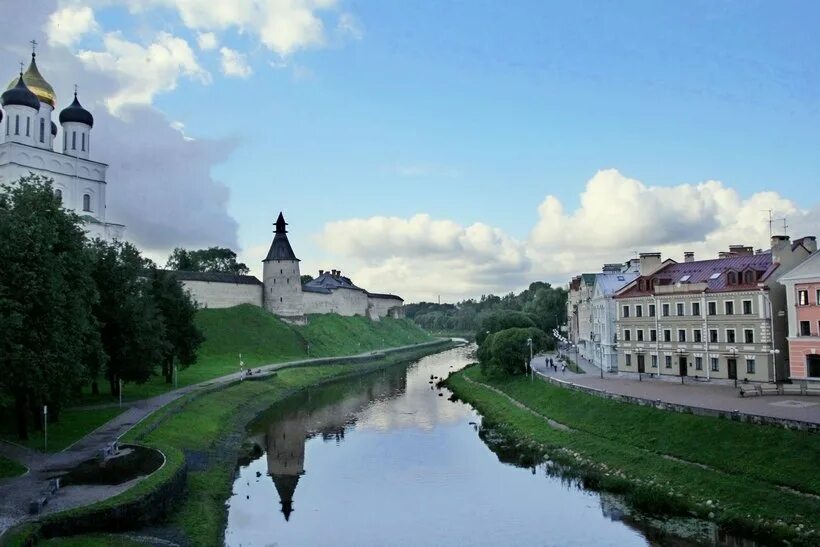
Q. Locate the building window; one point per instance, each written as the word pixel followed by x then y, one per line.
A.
pixel 803 298
pixel 17 124
pixel 711 308
pixel 281 271
pixel 640 335
pixel 696 309
pixel 747 307
pixel 713 336
pixel 654 361
pixel 83 142
pixel 625 312
pixel 667 335
pixel 665 310
pixel 750 366
pixel 638 311
pixel 698 363
pixel 653 335
pixel 715 364
pixel 627 335
pixel 817 299
pixel 731 278
pixel 652 306
pixel 86 202
pixel 668 361
pixel 8 125
pixel 280 299
pixel 681 335
pixel 42 130
pixel 749 336
pixel 679 308
pixel 28 126
pixel 697 335
pixel 805 328
pixel 730 336
pixel 73 140
pixel 58 194
pixel 729 307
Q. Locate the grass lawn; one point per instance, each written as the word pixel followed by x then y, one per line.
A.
pixel 74 424
pixel 9 468
pixel 92 540
pixel 746 463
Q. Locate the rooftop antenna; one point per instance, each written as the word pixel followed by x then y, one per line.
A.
pixel 785 226
pixel 770 221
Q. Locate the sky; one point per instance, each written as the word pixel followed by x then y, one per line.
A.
pixel 442 149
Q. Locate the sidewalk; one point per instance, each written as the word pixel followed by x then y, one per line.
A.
pixel 17 492
pixel 722 398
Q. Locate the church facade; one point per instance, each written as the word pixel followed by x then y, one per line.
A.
pixel 281 291
pixel 31 143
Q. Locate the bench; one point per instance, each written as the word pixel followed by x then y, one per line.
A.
pixel 109 450
pixel 36 505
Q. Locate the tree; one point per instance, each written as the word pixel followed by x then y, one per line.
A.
pixel 177 310
pixel 506 352
pixel 501 320
pixel 212 259
pixel 132 330
pixel 306 278
pixel 47 332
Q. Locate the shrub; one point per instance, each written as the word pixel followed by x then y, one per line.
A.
pixel 506 352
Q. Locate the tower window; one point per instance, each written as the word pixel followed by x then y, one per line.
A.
pixel 83 142
pixel 280 299
pixel 28 126
pixel 73 140
pixel 8 125
pixel 58 194
pixel 17 124
pixel 86 202
pixel 42 130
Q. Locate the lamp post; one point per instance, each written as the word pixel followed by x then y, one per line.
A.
pixel 774 353
pixel 529 343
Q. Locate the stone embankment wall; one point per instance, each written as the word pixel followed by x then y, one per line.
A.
pixel 223 295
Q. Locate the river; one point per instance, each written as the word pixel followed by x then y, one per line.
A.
pixel 388 459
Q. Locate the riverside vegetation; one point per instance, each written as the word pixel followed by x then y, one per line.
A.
pixel 206 430
pixel 752 480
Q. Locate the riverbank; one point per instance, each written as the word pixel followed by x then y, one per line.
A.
pixel 205 431
pixel 752 480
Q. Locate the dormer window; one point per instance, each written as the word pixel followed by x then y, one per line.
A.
pixel 731 278
pixel 749 276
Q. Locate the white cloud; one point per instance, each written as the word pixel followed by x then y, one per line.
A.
pixel 283 26
pixel 206 41
pixel 143 71
pixel 349 25
pixel 67 25
pixel 234 63
pixel 420 257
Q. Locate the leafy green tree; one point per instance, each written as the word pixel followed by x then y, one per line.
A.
pixel 306 278
pixel 132 331
pixel 212 259
pixel 507 352
pixel 182 338
pixel 501 320
pixel 47 332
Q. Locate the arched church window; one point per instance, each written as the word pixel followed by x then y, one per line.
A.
pixel 17 124
pixel 42 130
pixel 8 125
pixel 73 140
pixel 86 202
pixel 280 299
pixel 83 142
pixel 58 194
pixel 28 126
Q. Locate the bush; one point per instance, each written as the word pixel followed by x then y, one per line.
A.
pixel 502 320
pixel 506 352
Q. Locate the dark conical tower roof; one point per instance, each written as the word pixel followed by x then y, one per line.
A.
pixel 76 113
pixel 286 486
pixel 280 249
pixel 20 95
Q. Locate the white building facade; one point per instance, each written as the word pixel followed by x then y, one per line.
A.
pixel 28 137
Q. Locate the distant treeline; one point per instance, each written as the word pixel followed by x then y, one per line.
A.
pixel 543 303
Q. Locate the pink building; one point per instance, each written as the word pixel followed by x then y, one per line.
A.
pixel 803 309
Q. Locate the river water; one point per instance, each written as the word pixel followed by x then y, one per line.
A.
pixel 388 459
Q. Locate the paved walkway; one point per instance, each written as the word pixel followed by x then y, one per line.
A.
pixel 711 396
pixel 16 493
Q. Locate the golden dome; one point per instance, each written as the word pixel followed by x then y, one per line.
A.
pixel 37 84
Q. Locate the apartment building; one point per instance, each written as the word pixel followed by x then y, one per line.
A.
pixel 803 311
pixel 719 319
pixel 599 347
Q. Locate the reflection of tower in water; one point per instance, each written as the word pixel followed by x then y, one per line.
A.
pixel 285 436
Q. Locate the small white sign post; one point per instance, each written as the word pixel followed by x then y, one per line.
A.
pixel 45 428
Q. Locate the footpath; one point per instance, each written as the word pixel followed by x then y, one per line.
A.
pixel 16 493
pixel 693 394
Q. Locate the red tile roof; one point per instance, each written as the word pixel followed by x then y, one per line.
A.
pixel 704 271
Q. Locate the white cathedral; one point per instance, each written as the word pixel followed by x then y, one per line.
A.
pixel 27 145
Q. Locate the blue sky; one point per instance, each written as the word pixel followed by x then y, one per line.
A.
pixel 474 112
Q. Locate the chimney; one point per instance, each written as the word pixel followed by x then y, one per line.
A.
pixel 688 256
pixel 321 272
pixel 725 254
pixel 810 243
pixel 649 262
pixel 741 250
pixel 781 249
pixel 612 268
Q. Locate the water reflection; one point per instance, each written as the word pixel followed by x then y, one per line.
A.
pixel 387 459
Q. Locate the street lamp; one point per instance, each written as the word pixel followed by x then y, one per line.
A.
pixel 774 353
pixel 529 343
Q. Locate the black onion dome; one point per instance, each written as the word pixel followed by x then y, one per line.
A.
pixel 20 95
pixel 76 113
pixel 53 129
